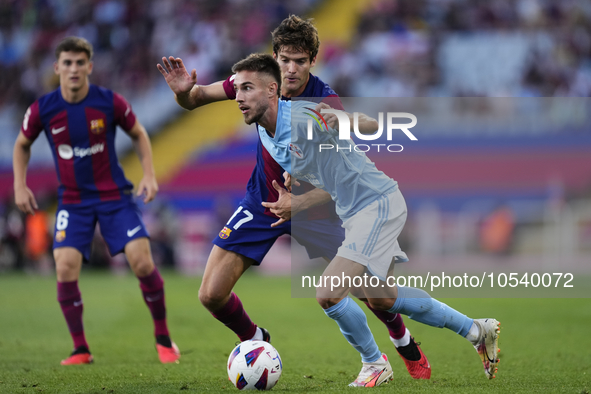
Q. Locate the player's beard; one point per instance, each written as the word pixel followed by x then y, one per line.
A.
pixel 254 118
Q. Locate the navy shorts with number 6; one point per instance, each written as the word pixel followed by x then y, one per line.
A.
pixel 120 222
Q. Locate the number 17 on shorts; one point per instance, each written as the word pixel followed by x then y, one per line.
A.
pixel 245 217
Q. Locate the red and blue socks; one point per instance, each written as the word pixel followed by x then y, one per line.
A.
pixel 68 295
pixel 393 322
pixel 236 319
pixel 152 287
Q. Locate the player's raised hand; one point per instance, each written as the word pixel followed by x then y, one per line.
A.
pixel 25 200
pixel 331 119
pixel 289 181
pixel 282 207
pixel 176 75
pixel 148 187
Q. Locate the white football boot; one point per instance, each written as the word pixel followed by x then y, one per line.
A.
pixel 374 374
pixel 487 345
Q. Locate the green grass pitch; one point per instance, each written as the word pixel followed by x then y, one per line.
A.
pixel 546 343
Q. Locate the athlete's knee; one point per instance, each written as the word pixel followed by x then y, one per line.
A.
pixel 140 261
pixel 381 304
pixel 212 299
pixel 67 264
pixel 66 271
pixel 326 303
pixel 143 267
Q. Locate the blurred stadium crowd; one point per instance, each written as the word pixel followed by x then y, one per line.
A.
pixel 411 47
pixel 129 38
pixel 400 48
pixel 467 48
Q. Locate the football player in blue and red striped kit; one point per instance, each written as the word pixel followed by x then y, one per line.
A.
pixel 248 235
pixel 80 121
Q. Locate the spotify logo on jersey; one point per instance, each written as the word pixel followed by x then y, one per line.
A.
pixel 65 151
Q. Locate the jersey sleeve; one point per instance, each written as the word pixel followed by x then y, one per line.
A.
pixel 124 116
pixel 229 87
pixel 32 125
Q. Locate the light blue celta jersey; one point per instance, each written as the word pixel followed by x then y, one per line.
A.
pixel 352 180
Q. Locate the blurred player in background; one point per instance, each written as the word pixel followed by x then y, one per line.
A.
pixel 374 213
pixel 80 121
pixel 248 236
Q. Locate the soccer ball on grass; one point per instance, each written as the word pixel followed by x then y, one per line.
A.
pixel 254 365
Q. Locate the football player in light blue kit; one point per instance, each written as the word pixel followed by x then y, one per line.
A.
pixel 373 213
pixel 252 230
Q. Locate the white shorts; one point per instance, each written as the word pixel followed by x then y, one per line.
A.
pixel 371 235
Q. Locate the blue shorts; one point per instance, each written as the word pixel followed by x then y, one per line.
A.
pixel 249 233
pixel 120 222
pixel 321 238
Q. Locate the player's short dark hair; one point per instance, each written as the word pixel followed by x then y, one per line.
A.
pixel 74 44
pixel 297 34
pixel 262 63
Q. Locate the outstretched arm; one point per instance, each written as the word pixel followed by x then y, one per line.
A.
pixel 23 196
pixel 141 143
pixel 187 93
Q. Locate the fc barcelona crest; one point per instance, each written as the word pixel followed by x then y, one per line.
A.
pixel 97 126
pixel 60 235
pixel 225 233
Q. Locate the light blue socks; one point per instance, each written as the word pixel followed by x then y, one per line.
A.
pixel 418 305
pixel 353 325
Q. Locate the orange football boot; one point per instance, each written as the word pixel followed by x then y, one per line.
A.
pixel 78 359
pixel 168 354
pixel 420 369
